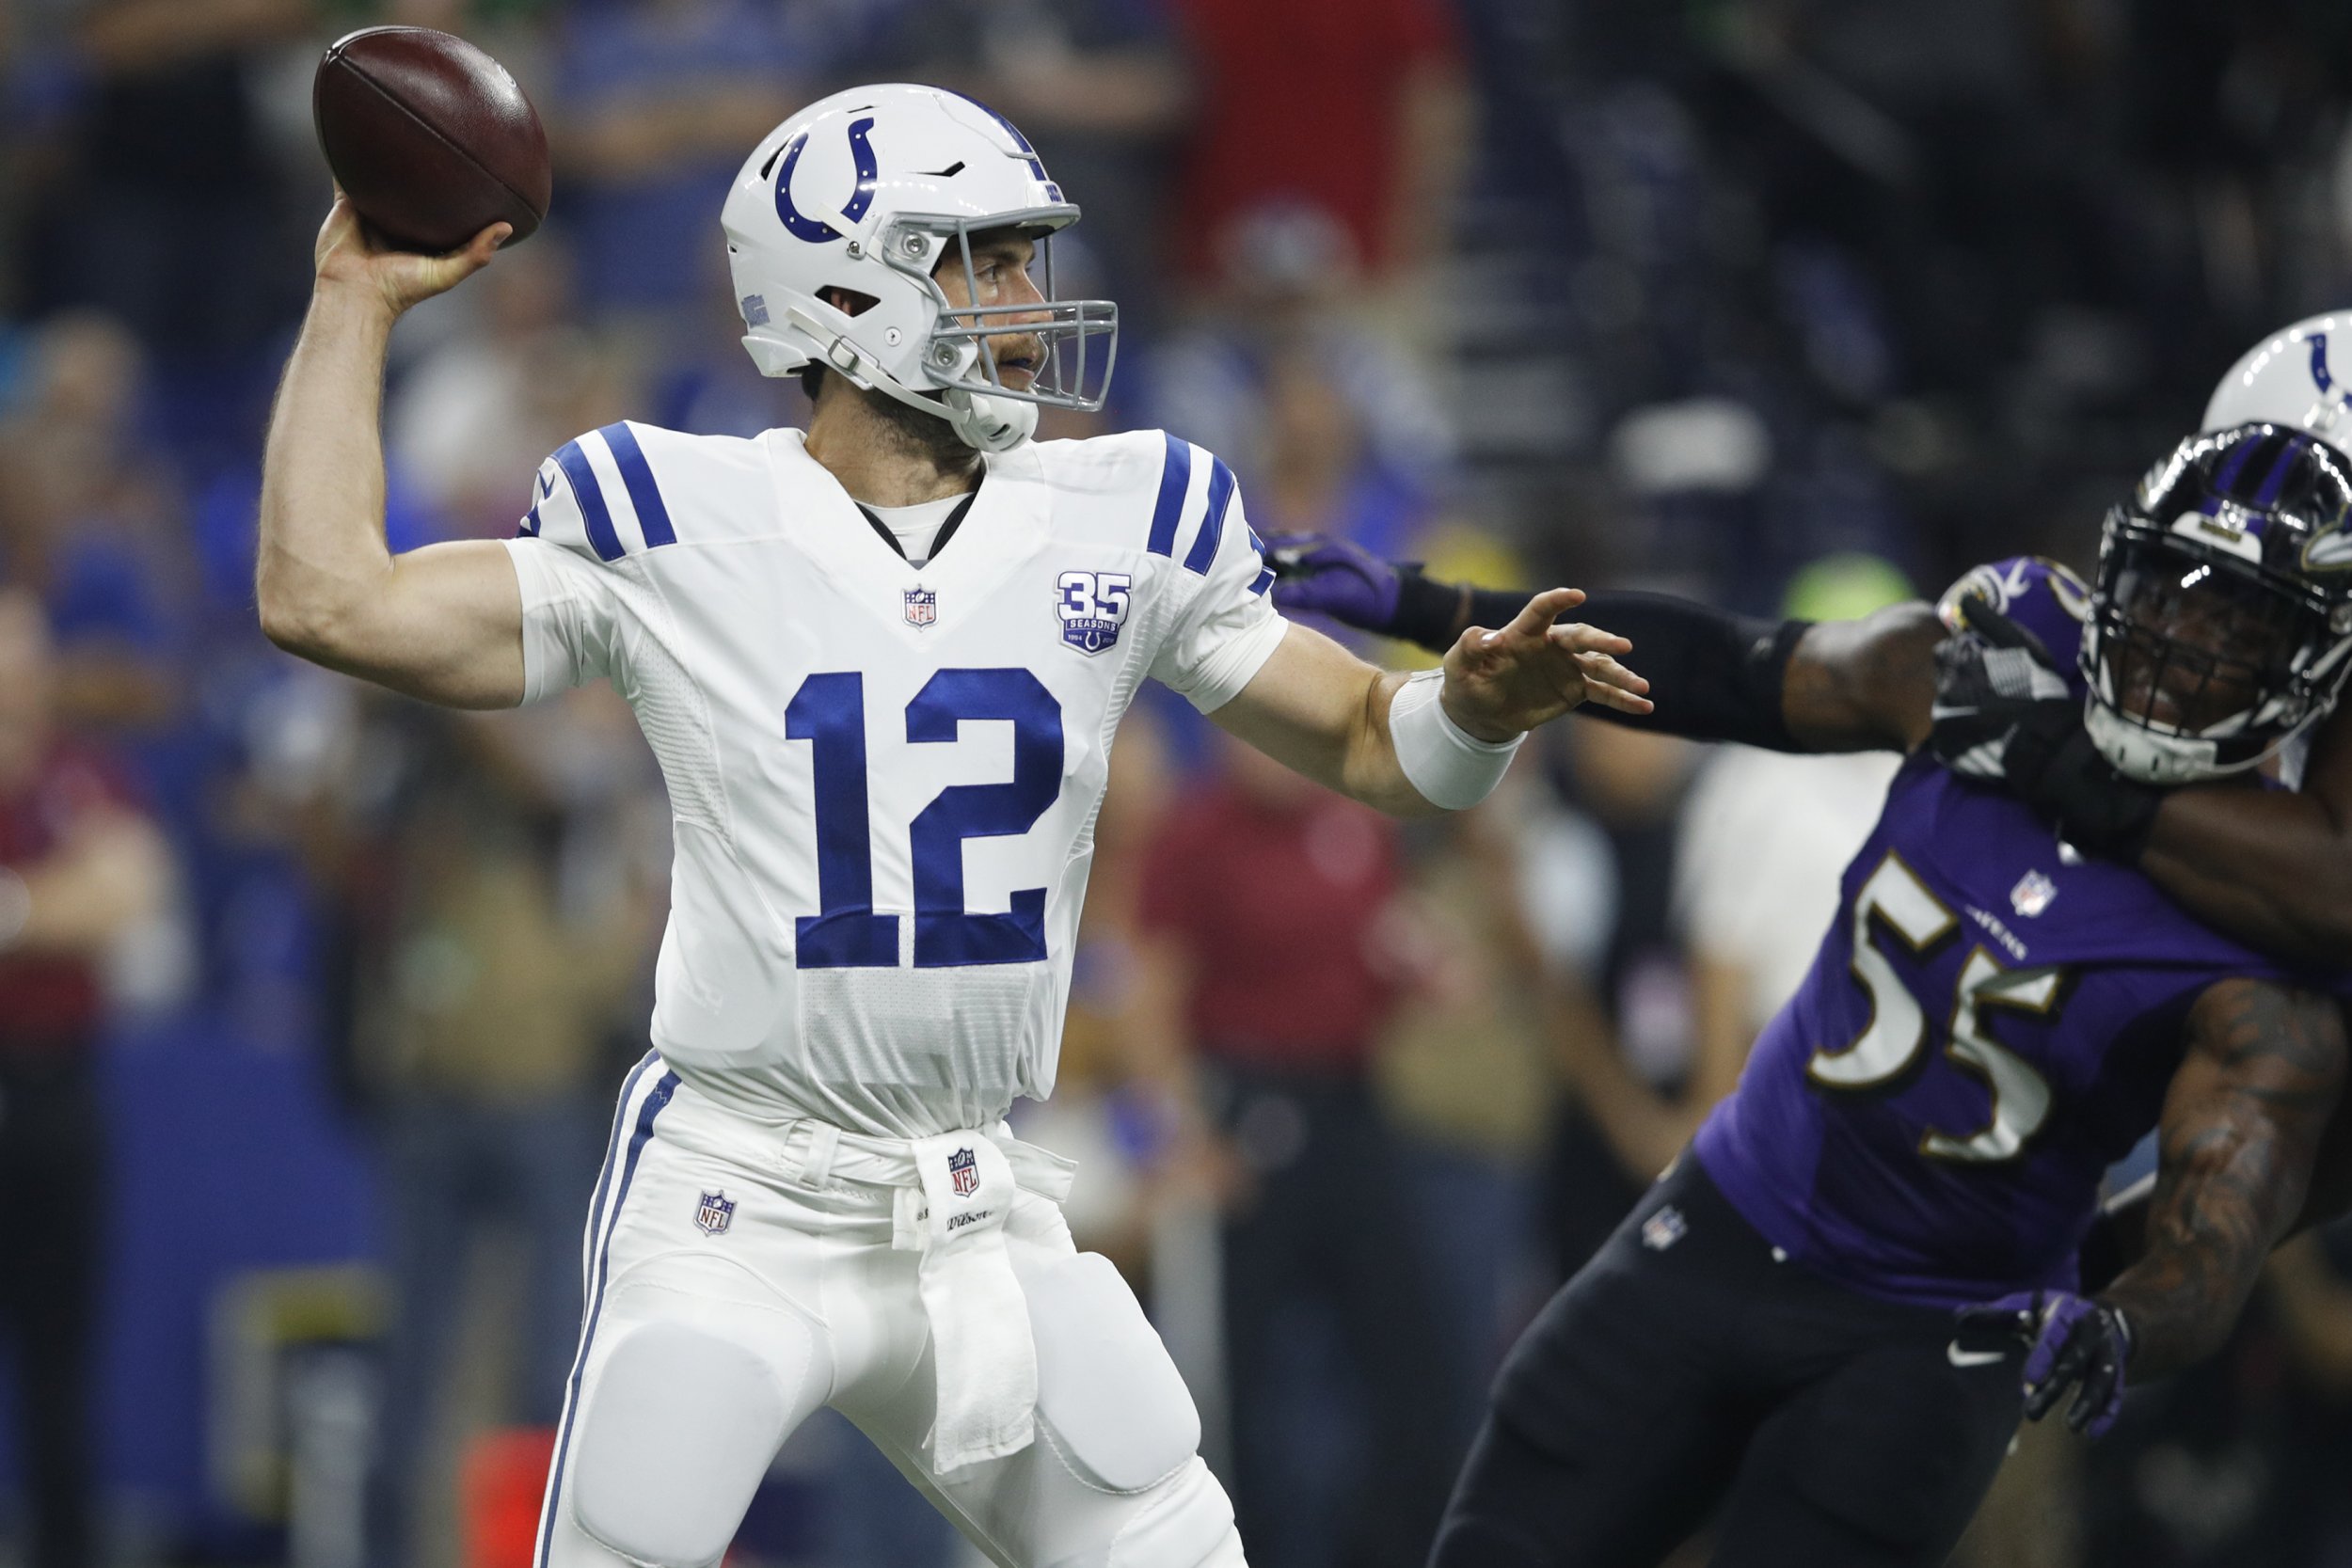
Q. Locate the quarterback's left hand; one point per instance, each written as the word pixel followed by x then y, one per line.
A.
pixel 2078 1342
pixel 1500 684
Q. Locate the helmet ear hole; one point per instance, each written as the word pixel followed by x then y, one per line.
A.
pixel 850 302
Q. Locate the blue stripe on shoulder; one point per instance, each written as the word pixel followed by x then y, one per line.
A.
pixel 1265 573
pixel 1204 544
pixel 593 511
pixel 541 487
pixel 1175 479
pixel 652 517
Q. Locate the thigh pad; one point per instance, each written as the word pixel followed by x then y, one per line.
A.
pixel 1191 1526
pixel 1117 1407
pixel 677 1429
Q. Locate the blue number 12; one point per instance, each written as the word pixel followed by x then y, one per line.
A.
pixel 830 711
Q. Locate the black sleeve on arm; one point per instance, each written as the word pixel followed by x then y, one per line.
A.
pixel 1713 676
pixel 1430 612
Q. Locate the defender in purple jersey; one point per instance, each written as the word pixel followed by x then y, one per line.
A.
pixel 1991 1020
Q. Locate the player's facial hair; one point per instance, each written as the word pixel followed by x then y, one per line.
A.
pixel 912 432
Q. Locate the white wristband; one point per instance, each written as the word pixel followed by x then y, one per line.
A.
pixel 1450 766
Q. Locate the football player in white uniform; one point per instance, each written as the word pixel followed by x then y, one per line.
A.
pixel 881 663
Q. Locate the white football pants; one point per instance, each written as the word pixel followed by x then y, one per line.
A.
pixel 734 1284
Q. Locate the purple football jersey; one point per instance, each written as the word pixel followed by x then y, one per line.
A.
pixel 1989 1024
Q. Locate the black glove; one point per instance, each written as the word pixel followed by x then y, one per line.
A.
pixel 2077 1342
pixel 2003 712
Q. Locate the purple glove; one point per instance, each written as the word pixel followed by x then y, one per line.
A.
pixel 1329 576
pixel 2077 1342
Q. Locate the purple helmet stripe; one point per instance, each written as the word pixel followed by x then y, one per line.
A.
pixel 2277 478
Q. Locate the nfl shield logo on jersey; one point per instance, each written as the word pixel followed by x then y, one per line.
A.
pixel 715 1213
pixel 922 606
pixel 1092 607
pixel 2032 893
pixel 963 1173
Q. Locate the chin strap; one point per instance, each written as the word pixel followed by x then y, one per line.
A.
pixel 981 421
pixel 989 423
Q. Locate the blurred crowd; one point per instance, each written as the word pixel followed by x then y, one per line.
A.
pixel 1789 305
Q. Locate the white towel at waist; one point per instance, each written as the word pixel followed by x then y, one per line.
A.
pixel 953 1194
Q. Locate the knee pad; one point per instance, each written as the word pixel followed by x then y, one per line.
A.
pixel 676 1430
pixel 1116 1407
pixel 1192 1526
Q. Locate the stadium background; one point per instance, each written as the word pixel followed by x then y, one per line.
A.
pixel 1743 298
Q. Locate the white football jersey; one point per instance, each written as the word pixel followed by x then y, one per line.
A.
pixel 882 779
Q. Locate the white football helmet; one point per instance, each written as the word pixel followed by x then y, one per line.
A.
pixel 2288 379
pixel 868 191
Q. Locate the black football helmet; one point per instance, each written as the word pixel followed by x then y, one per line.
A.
pixel 2221 617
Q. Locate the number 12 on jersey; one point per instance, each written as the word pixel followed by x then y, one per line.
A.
pixel 829 711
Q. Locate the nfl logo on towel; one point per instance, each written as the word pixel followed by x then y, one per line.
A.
pixel 716 1212
pixel 922 606
pixel 963 1173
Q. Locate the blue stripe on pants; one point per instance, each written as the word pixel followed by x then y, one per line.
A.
pixel 651 1108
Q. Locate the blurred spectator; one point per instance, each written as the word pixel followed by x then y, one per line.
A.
pixel 1765 837
pixel 1627 1033
pixel 2238 1462
pixel 1465 1063
pixel 656 104
pixel 499 921
pixel 90 521
pixel 1261 912
pixel 1355 111
pixel 1330 427
pixel 1098 86
pixel 514 375
pixel 1314 473
pixel 168 212
pixel 80 867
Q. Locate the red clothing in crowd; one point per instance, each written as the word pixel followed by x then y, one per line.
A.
pixel 1276 906
pixel 1302 107
pixel 51 1003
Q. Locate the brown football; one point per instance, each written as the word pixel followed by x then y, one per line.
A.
pixel 430 138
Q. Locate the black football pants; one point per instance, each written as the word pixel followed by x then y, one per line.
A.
pixel 1668 1385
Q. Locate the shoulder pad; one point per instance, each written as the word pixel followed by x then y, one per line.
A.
pixel 2039 593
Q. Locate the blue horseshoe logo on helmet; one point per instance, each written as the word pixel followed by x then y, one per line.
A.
pixel 816 230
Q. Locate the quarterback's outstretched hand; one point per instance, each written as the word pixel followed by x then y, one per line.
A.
pixel 2077 1342
pixel 1500 684
pixel 2003 711
pixel 1325 574
pixel 348 259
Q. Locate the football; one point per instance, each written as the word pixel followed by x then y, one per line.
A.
pixel 430 138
